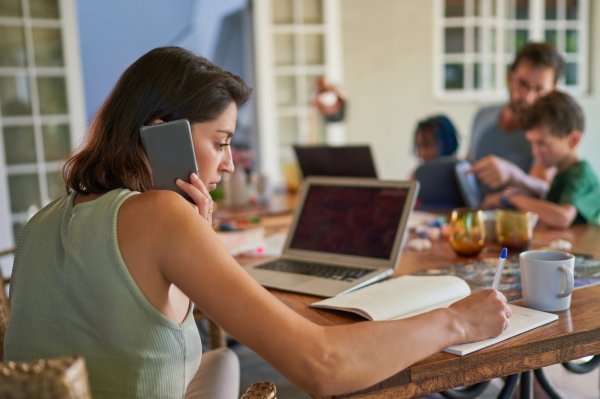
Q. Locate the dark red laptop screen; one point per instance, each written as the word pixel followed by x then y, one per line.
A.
pixel 343 220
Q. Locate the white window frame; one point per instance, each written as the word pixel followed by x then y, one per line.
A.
pixel 75 118
pixel 272 150
pixel 535 25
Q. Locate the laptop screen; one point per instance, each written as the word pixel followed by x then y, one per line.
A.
pixel 350 220
pixel 341 161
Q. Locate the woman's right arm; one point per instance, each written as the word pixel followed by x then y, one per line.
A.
pixel 320 360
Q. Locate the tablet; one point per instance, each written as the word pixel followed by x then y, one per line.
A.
pixel 467 184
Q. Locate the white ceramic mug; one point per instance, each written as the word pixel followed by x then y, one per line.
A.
pixel 547 279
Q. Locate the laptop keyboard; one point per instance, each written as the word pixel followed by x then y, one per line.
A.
pixel 340 273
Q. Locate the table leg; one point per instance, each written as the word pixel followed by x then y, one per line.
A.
pixel 545 384
pixel 526 380
pixel 526 385
pixel 472 391
pixel 510 384
pixel 582 368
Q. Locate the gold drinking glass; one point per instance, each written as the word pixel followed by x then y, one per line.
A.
pixel 514 229
pixel 468 231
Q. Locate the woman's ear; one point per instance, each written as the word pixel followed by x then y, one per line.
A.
pixel 157 121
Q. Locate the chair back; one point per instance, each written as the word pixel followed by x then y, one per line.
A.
pixel 4 303
pixel 64 378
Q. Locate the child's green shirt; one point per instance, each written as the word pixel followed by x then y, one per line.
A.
pixel 578 186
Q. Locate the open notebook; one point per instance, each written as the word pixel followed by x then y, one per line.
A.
pixel 408 296
pixel 346 233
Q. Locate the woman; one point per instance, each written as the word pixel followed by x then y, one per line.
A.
pixel 110 270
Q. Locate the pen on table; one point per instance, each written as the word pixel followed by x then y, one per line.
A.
pixel 498 274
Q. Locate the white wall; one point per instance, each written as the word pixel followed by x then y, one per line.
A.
pixel 387 48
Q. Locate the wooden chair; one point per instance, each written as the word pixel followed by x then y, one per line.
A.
pixel 64 378
pixel 4 304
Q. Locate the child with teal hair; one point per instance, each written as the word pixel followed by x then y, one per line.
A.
pixel 435 137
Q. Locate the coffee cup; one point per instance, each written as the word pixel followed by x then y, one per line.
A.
pixel 547 279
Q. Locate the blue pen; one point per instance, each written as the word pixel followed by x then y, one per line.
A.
pixel 498 274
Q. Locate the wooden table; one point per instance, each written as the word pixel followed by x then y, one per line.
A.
pixel 576 334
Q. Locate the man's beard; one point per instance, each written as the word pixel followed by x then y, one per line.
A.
pixel 519 108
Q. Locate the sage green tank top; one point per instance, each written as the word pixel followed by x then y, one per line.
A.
pixel 71 293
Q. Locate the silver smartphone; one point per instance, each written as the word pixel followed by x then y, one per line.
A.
pixel 170 150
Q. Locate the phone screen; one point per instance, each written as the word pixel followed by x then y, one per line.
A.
pixel 170 150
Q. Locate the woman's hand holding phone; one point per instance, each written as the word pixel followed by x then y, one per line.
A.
pixel 199 194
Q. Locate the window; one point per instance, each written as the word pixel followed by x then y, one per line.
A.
pixel 475 41
pixel 296 41
pixel 41 118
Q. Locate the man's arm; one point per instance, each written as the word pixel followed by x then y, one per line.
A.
pixel 496 172
pixel 559 216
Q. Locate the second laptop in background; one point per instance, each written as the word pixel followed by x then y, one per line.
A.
pixel 337 161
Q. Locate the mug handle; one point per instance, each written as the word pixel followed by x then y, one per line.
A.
pixel 570 282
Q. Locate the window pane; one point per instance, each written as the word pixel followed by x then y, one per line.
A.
pixel 571 43
pixel 477 75
pixel 476 42
pixel 492 76
pixel 312 11
pixel 572 9
pixel 571 74
pixel 455 40
pixel 551 37
pixel 57 142
pixel 284 49
pixel 493 40
pixel 10 8
pixel 313 50
pixel 283 11
pixel 47 47
pixel 56 185
pixel 53 95
pixel 24 192
pixel 286 90
pixel 311 88
pixel 288 130
pixel 455 8
pixel 521 38
pixel 12 46
pixel 19 145
pixel 550 9
pixel 522 9
pixel 454 76
pixel 47 9
pixel 14 95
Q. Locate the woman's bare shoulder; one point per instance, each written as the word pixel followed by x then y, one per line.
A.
pixel 163 208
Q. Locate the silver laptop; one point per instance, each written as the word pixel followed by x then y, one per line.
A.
pixel 346 233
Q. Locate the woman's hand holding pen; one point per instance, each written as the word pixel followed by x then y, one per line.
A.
pixel 482 315
pixel 199 193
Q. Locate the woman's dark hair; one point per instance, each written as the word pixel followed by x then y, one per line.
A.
pixel 558 111
pixel 444 133
pixel 541 55
pixel 168 83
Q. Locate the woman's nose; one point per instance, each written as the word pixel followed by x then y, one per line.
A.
pixel 227 165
